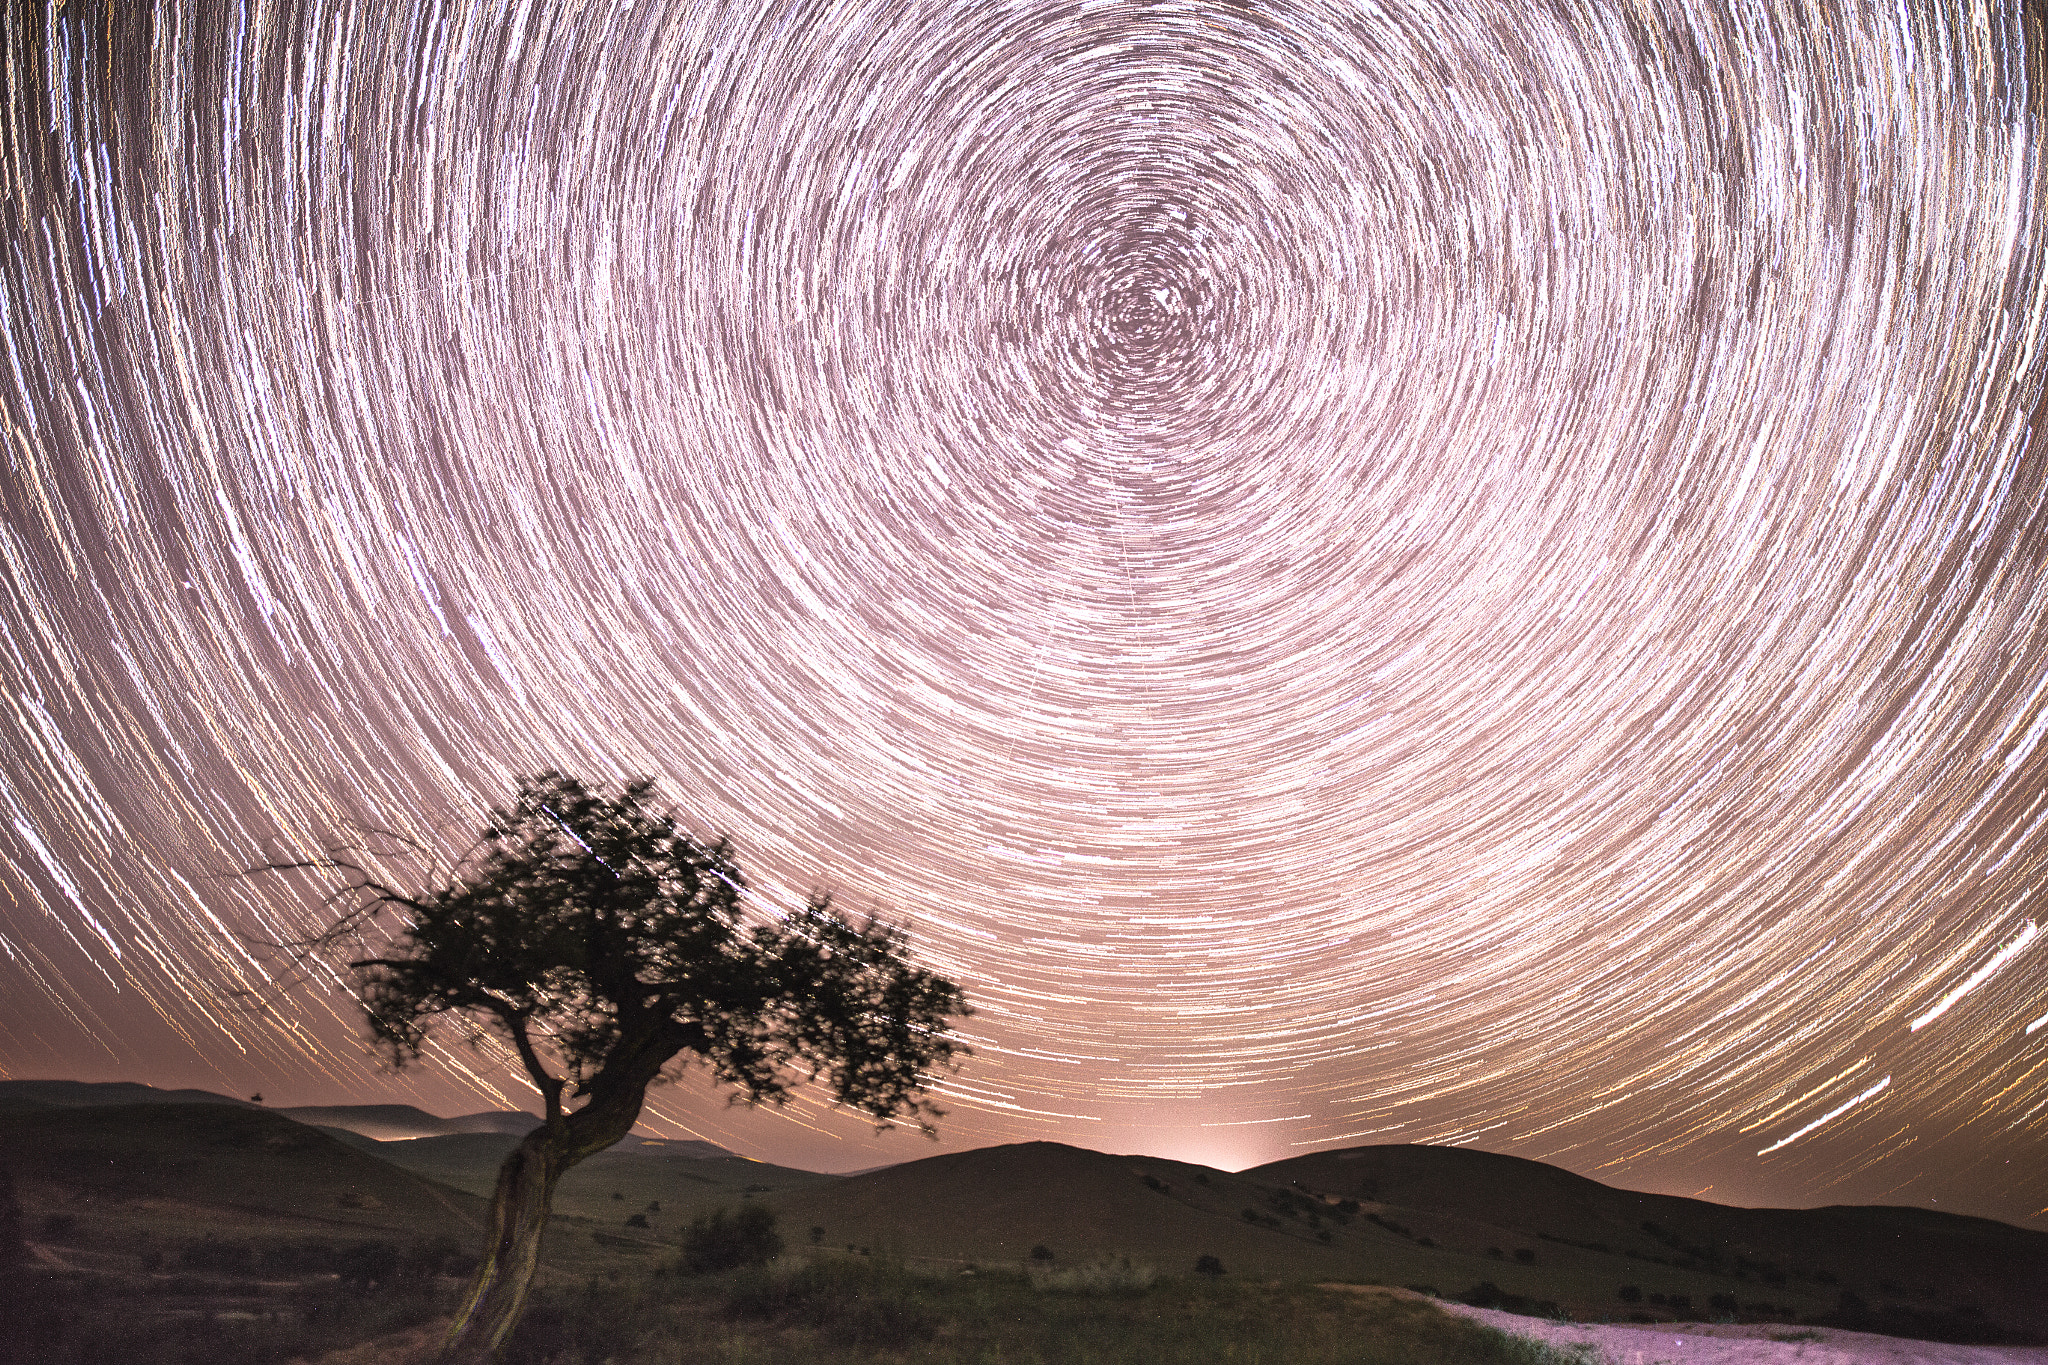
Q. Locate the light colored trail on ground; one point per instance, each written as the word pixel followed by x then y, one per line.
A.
pixel 1744 1343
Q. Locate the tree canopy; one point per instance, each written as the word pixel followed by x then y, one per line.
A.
pixel 603 942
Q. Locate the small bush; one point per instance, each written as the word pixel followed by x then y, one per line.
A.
pixel 1041 1252
pixel 716 1242
pixel 1525 1255
pixel 852 1304
pixel 1096 1277
pixel 1206 1264
pixel 1629 1293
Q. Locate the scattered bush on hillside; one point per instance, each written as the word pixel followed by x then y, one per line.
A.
pixel 1041 1252
pixel 1107 1275
pixel 1525 1255
pixel 1206 1264
pixel 1157 1186
pixel 1723 1303
pixel 638 1220
pixel 817 1236
pixel 59 1225
pixel 1496 1253
pixel 717 1242
pixel 852 1304
pixel 1629 1293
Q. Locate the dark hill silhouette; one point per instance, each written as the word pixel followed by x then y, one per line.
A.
pixel 88 1094
pixel 993 1205
pixel 222 1164
pixel 384 1122
pixel 683 1177
pixel 1921 1262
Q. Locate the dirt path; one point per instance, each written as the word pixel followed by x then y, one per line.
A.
pixel 1746 1344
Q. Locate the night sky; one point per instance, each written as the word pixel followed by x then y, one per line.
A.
pixel 1442 572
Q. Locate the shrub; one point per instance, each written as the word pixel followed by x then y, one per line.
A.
pixel 1525 1255
pixel 853 1304
pixel 1041 1252
pixel 717 1242
pixel 1096 1277
pixel 638 1220
pixel 1206 1264
pixel 1629 1293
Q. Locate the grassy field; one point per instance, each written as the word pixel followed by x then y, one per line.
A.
pixel 852 1311
pixel 816 1310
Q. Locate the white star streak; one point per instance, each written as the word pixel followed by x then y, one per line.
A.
pixel 1976 978
pixel 1844 1107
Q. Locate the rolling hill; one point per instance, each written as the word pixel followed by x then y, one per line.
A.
pixel 116 1170
pixel 101 1179
pixel 1908 1268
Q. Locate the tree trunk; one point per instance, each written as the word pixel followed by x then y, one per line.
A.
pixel 519 1215
pixel 526 1191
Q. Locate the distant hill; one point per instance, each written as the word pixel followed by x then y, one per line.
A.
pixel 384 1122
pixel 681 1177
pixel 88 1094
pixel 1458 1222
pixel 397 1122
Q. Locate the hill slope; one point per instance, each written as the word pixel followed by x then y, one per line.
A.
pixel 1911 1269
pixel 214 1165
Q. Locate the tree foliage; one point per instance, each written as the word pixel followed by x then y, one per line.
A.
pixel 585 928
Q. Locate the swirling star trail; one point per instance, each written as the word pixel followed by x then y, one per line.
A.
pixel 1423 571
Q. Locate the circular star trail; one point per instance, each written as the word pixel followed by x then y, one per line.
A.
pixel 1358 573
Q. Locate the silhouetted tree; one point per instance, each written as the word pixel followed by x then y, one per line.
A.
pixel 602 943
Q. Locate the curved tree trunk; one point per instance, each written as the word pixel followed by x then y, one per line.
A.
pixel 519 1215
pixel 526 1191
